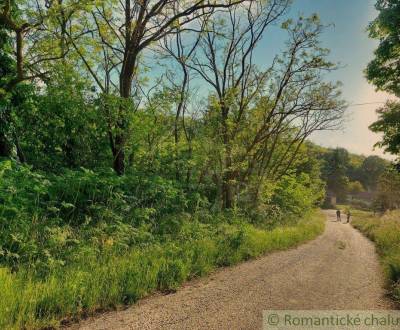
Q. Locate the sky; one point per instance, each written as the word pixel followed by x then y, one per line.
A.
pixel 353 49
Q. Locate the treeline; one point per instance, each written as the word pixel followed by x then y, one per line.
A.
pixel 346 173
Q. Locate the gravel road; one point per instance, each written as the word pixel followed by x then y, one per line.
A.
pixel 338 270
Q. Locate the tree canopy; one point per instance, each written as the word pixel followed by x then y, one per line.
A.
pixel 384 70
pixel 388 123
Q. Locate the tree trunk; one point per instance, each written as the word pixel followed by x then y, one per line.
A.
pixel 5 144
pixel 126 78
pixel 227 191
pixel 68 150
pixel 119 154
pixel 5 147
pixel 20 152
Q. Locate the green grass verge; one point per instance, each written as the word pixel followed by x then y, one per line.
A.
pixel 99 284
pixel 385 232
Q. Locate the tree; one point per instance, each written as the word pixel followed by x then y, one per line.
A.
pixel 63 128
pixel 371 169
pixel 6 71
pixel 224 61
pixel 388 123
pixel 10 99
pixel 259 118
pixel 355 187
pixel 33 39
pixel 33 26
pixel 383 71
pixel 126 29
pixel 179 79
pixel 335 172
pixel 388 197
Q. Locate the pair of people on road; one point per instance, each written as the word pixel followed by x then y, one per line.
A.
pixel 339 216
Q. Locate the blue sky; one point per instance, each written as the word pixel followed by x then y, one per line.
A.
pixel 349 43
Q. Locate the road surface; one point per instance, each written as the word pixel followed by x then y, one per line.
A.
pixel 338 270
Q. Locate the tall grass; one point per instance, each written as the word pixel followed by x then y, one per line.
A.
pixel 92 284
pixel 385 232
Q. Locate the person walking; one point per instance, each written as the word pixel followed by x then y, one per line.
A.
pixel 338 216
pixel 348 216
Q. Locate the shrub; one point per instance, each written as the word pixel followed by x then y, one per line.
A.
pixel 49 219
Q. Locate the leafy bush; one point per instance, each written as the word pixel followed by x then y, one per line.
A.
pixel 288 200
pixel 47 218
pixel 298 195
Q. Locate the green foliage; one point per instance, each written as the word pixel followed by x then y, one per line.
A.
pixel 370 171
pixel 384 68
pixel 335 172
pixel 75 242
pixel 388 125
pixel 20 213
pixel 62 127
pixel 74 235
pixel 383 72
pixel 12 101
pixel 388 191
pixel 298 195
pixel 355 187
pixel 47 219
pixel 348 173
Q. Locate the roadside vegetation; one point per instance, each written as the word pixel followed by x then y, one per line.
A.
pixel 383 226
pixel 101 281
pixel 384 230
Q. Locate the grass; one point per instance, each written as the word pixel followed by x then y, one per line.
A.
pixel 385 232
pixel 94 284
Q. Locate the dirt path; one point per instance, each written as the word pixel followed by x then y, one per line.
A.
pixel 338 270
